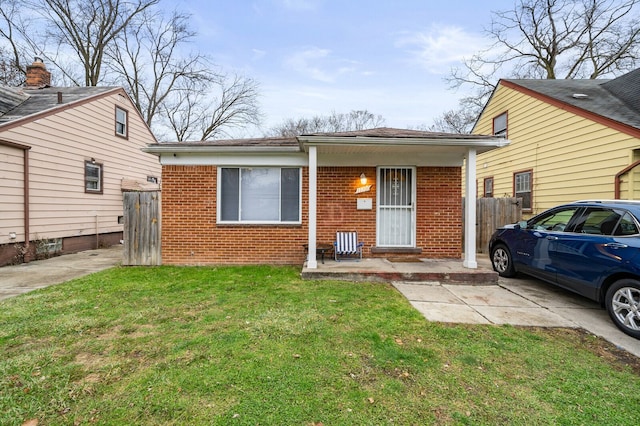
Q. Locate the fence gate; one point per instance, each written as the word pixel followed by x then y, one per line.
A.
pixel 492 213
pixel 141 228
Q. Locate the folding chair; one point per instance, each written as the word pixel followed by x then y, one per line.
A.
pixel 347 245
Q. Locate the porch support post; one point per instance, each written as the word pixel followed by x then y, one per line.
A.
pixel 312 262
pixel 470 211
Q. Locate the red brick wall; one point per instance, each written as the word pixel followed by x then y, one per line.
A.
pixel 337 204
pixel 190 234
pixel 439 212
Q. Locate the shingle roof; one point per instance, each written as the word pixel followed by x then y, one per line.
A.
pixel 389 132
pixel 17 103
pixel 247 142
pixel 617 99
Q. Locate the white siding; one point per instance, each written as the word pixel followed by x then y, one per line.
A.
pixel 11 194
pixel 61 143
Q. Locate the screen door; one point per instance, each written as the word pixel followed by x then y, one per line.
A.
pixel 396 212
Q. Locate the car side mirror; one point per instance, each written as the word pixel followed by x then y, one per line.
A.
pixel 522 224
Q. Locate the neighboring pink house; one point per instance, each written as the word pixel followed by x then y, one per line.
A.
pixel 260 200
pixel 66 155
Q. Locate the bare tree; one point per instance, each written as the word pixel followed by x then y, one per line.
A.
pixel 12 55
pixel 336 122
pixel 88 28
pixel 146 60
pixel 133 44
pixel 552 39
pixel 454 121
pixel 204 109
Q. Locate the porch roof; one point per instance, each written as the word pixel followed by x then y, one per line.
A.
pixel 381 141
pixel 396 147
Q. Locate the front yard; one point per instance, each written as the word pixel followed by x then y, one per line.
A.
pixel 257 345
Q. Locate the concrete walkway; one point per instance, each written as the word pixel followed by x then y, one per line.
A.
pixel 18 279
pixel 521 301
pixel 516 301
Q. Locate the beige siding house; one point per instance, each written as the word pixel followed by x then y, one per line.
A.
pixel 66 156
pixel 570 140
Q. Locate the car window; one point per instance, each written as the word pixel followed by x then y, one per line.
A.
pixel 555 220
pixel 597 221
pixel 626 226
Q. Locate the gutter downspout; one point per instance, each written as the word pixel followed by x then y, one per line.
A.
pixel 27 232
pixel 616 184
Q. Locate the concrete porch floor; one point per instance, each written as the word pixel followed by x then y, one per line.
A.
pixel 443 271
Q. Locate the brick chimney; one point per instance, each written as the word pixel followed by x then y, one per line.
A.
pixel 37 74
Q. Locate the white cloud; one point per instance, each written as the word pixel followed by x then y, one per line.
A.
pixel 440 47
pixel 258 54
pixel 318 64
pixel 300 5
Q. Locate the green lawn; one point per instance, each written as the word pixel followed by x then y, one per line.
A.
pixel 258 345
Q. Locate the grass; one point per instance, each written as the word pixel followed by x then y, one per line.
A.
pixel 257 345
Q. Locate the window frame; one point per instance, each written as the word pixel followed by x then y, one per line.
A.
pixel 100 180
pixel 501 131
pixel 484 188
pixel 515 194
pixel 124 135
pixel 240 221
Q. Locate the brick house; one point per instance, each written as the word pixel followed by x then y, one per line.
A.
pixel 260 200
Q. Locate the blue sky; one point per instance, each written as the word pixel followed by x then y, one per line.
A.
pixel 312 57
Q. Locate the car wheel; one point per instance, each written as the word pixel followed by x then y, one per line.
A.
pixel 502 261
pixel 623 304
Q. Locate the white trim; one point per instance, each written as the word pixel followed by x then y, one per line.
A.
pixel 275 160
pixel 312 262
pixel 470 211
pixel 256 222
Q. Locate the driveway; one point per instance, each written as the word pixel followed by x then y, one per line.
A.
pixel 18 279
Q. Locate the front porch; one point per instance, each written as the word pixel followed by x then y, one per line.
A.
pixel 442 271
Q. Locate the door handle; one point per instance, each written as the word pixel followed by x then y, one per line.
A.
pixel 616 245
pixel 551 237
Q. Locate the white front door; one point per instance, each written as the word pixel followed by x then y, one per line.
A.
pixel 396 207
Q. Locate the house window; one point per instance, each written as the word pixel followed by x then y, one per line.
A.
pixel 93 177
pixel 522 188
pixel 122 122
pixel 259 195
pixel 488 187
pixel 500 125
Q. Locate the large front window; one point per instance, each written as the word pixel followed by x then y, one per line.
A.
pixel 259 195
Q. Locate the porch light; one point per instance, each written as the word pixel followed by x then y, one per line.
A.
pixel 363 179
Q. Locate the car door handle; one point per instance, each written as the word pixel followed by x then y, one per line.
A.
pixel 616 245
pixel 551 237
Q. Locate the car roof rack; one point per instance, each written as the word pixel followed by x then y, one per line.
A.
pixel 609 201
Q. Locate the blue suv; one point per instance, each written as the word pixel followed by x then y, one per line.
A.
pixel 589 247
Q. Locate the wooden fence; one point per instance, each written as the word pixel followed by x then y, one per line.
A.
pixel 142 228
pixel 492 213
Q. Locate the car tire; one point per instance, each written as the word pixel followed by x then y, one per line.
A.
pixel 623 305
pixel 502 261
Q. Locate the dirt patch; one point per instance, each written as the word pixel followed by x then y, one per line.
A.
pixel 618 358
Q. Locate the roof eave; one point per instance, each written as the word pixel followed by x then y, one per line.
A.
pixel 210 149
pixel 474 141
